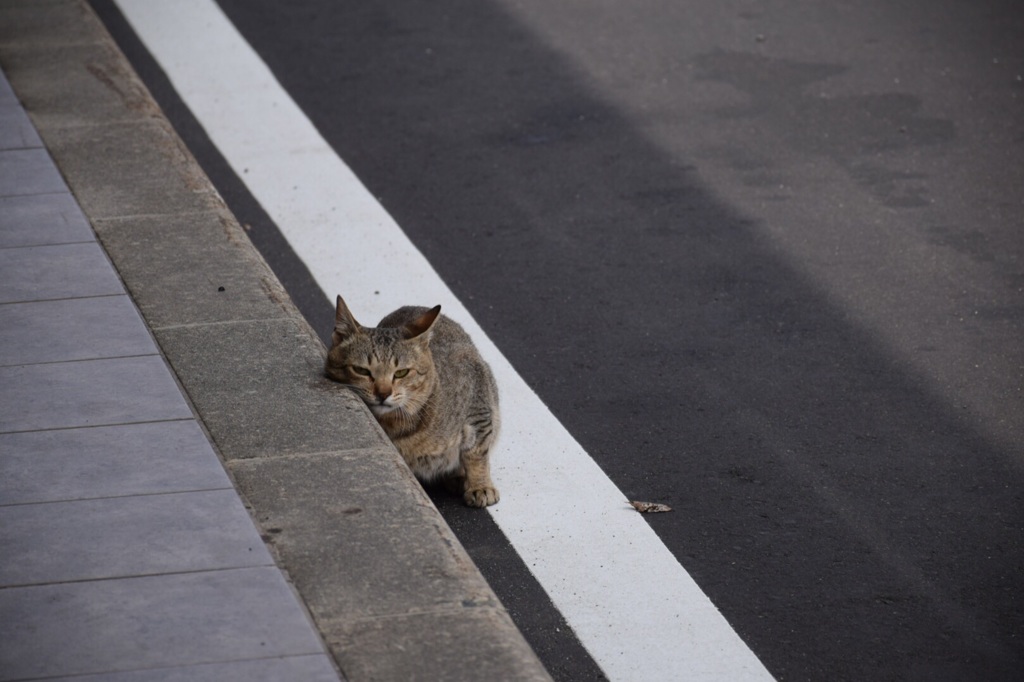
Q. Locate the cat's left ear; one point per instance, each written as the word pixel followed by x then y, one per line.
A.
pixel 421 325
pixel 345 324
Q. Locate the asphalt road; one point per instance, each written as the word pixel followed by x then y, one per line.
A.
pixel 764 262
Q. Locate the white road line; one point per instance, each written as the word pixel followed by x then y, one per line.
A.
pixel 630 603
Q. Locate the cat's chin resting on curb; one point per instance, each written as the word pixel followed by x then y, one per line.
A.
pixel 432 393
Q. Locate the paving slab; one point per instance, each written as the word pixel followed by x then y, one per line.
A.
pixel 28 171
pixel 16 131
pixel 260 388
pixel 340 522
pixel 72 329
pixel 315 668
pixel 44 22
pixel 107 461
pixel 38 273
pixel 221 283
pixel 42 219
pixel 89 393
pixel 149 622
pixel 87 75
pixel 101 157
pixel 118 537
pixel 394 649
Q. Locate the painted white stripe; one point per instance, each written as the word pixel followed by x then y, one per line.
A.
pixel 631 604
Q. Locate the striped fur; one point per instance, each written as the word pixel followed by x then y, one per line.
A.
pixel 428 387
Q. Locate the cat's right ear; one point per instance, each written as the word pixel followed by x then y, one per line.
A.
pixel 345 324
pixel 420 327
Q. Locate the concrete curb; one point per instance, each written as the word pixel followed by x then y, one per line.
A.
pixel 389 587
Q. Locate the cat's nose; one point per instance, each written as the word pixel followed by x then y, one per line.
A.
pixel 382 396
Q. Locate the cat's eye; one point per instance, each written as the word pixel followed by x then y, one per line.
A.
pixel 401 374
pixel 361 371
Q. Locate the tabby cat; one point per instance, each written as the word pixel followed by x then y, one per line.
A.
pixel 427 385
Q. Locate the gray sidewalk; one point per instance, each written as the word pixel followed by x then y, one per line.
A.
pixel 125 546
pixel 183 496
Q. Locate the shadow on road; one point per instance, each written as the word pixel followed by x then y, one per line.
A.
pixel 845 520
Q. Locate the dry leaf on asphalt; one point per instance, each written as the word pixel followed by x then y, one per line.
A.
pixel 650 507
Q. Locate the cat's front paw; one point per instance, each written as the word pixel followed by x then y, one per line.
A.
pixel 483 496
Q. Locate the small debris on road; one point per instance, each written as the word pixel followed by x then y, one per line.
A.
pixel 650 507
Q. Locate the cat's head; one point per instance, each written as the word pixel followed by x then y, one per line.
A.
pixel 390 368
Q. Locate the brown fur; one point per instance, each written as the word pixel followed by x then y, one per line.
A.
pixel 430 390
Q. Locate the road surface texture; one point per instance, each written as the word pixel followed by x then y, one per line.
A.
pixel 762 260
